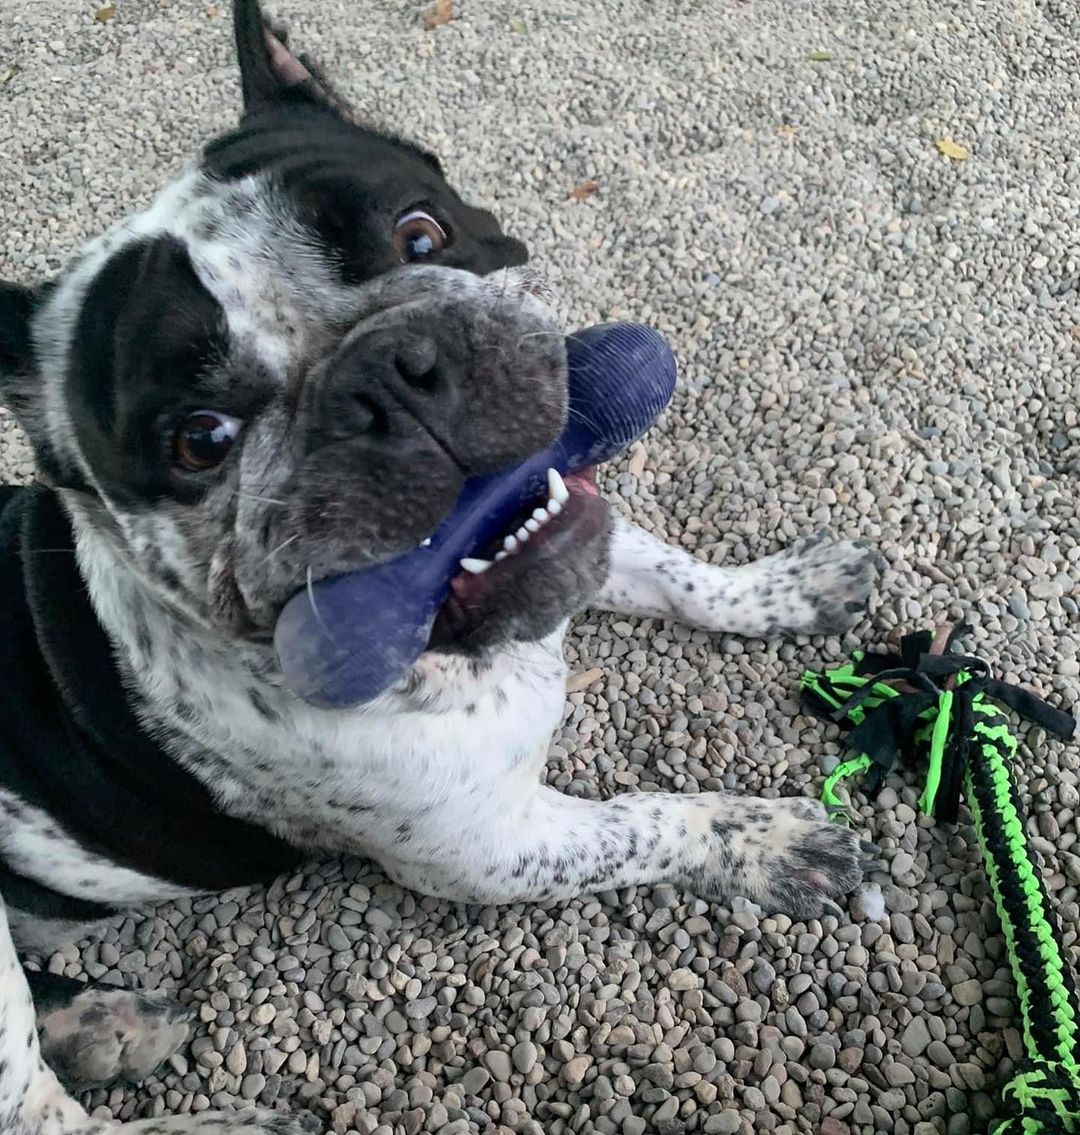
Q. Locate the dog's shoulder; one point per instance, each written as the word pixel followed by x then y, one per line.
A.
pixel 96 810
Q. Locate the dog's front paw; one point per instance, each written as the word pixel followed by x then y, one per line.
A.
pixel 107 1034
pixel 820 585
pixel 783 855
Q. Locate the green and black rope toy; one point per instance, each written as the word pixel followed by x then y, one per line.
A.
pixel 931 706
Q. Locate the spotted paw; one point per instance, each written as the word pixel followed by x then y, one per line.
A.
pixel 252 1121
pixel 783 855
pixel 103 1035
pixel 820 585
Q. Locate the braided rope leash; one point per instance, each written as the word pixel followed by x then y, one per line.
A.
pixel 943 710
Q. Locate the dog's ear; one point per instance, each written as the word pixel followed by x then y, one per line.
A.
pixel 17 371
pixel 20 384
pixel 270 74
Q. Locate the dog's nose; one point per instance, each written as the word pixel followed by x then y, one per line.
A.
pixel 467 380
pixel 385 384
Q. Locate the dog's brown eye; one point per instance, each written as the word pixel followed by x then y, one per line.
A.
pixel 203 440
pixel 417 236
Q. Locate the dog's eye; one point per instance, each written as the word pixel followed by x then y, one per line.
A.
pixel 417 236
pixel 203 440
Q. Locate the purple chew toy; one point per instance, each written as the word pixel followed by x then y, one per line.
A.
pixel 353 636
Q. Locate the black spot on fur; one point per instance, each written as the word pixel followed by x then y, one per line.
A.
pixel 92 1016
pixel 262 707
pixel 725 830
pixel 185 711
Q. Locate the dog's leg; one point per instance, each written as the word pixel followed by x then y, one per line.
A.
pixel 782 854
pixel 92 1035
pixel 33 1101
pixel 816 586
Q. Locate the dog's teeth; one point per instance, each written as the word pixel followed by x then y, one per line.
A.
pixel 510 545
pixel 500 556
pixel 554 507
pixel 426 543
pixel 557 489
pixel 522 535
pixel 532 525
pixel 541 515
pixel 474 566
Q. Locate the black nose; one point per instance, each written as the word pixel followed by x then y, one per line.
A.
pixel 390 381
pixel 471 385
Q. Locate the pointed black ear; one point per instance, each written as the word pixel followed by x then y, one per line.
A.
pixel 16 347
pixel 20 383
pixel 270 74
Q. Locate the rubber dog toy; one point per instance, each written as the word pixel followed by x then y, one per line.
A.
pixel 345 640
pixel 943 709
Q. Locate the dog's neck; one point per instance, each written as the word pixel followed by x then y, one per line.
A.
pixel 143 623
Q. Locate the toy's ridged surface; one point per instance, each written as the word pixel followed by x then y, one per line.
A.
pixel 621 376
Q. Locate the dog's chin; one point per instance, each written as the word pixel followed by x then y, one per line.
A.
pixel 526 594
pixel 522 596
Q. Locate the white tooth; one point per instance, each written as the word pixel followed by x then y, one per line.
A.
pixel 557 487
pixel 475 567
pixel 522 535
pixel 541 515
pixel 554 507
pixel 532 525
pixel 510 544
pixel 426 543
pixel 500 556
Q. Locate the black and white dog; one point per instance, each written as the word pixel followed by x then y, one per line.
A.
pixel 283 369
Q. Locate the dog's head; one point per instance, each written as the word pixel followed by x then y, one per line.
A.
pixel 287 367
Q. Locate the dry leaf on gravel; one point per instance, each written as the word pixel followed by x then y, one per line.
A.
pixel 578 682
pixel 953 150
pixel 9 73
pixel 104 15
pixel 820 57
pixel 442 13
pixel 585 189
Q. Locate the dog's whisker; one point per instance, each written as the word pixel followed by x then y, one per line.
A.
pixel 579 416
pixel 502 293
pixel 256 497
pixel 541 335
pixel 314 606
pixel 280 548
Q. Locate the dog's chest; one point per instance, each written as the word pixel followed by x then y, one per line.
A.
pixel 349 780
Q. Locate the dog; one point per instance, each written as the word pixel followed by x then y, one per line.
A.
pixel 283 369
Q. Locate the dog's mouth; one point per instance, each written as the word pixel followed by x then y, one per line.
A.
pixel 572 515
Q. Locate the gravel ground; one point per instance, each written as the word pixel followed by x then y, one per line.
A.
pixel 874 336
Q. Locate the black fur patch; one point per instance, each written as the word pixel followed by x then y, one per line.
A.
pixel 146 334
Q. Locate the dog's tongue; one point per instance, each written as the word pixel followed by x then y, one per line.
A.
pixel 476 595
